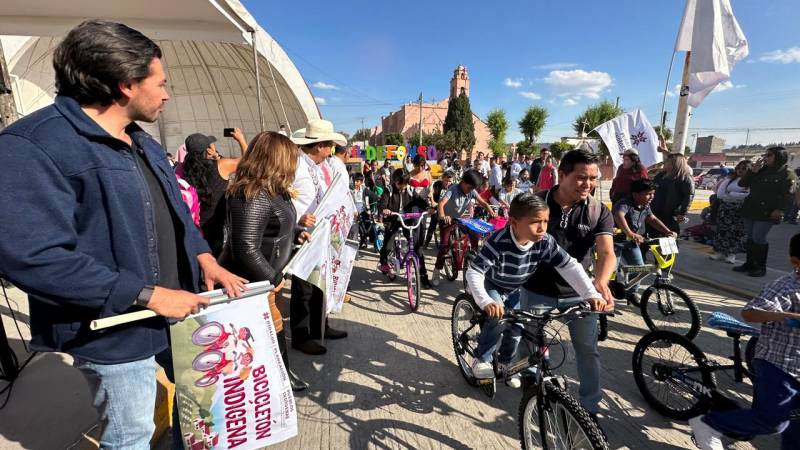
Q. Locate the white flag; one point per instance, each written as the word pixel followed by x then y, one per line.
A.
pixel 630 131
pixel 710 31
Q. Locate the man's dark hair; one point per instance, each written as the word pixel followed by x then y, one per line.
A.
pixel 472 178
pixel 448 174
pixel 526 205
pixel 339 149
pixel 781 156
pixel 508 181
pixel 96 56
pixel 419 160
pixel 642 186
pixel 358 177
pixel 574 157
pixel 794 246
pixel 399 176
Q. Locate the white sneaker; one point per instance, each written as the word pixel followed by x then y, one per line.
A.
pixel 482 369
pixel 715 256
pixel 705 437
pixel 435 278
pixel 731 259
pixel 514 381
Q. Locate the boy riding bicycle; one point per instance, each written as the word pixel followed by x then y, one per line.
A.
pixel 455 203
pixel 776 388
pixel 630 215
pixel 507 259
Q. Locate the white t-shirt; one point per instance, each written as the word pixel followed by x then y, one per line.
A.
pixel 309 182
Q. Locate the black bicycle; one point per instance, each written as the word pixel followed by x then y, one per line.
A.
pixel 549 417
pixel 677 379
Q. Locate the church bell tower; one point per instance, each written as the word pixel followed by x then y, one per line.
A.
pixel 460 82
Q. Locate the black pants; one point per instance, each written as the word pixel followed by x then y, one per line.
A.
pixel 388 243
pixel 432 227
pixel 306 317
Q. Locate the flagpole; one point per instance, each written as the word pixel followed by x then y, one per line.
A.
pixel 666 90
pixel 682 118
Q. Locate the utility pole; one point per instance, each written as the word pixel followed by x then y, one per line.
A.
pixel 747 139
pixel 420 119
pixel 682 119
pixel 616 105
pixel 8 110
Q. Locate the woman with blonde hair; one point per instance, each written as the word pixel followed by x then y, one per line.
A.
pixel 262 222
pixel 674 193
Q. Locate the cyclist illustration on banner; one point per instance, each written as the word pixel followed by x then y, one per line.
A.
pixel 228 365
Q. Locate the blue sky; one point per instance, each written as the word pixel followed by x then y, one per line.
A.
pixel 366 58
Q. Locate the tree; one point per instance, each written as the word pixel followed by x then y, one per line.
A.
pixel 362 134
pixel 559 148
pixel 667 133
pixel 524 148
pixel 593 117
pixel 458 124
pixel 394 139
pixel 498 125
pixel 532 123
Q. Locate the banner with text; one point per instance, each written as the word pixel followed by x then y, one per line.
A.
pixel 232 388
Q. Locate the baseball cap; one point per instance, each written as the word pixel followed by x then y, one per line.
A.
pixel 198 142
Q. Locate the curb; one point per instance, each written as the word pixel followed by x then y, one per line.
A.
pixel 741 293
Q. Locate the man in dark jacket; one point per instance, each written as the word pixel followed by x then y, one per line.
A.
pixel 94 224
pixel 770 182
pixel 537 164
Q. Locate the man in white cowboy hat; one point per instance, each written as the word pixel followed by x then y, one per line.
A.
pixel 312 178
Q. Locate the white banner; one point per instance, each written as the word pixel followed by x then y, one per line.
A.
pixel 630 131
pixel 710 31
pixel 341 269
pixel 232 388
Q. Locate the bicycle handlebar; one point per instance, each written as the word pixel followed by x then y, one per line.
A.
pixel 577 311
pixel 403 216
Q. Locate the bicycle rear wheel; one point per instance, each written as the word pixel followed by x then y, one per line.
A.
pixel 750 353
pixel 666 368
pixel 667 307
pixel 412 282
pixel 449 267
pixel 465 328
pixel 557 422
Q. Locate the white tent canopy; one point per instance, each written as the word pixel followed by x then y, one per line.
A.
pixel 207 55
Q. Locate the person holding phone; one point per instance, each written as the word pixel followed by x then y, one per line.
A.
pixel 770 182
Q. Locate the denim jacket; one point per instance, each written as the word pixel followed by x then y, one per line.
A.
pixel 77 231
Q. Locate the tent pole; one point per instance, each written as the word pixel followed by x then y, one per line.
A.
pixel 258 82
pixel 275 84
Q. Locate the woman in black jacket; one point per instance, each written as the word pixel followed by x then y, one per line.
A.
pixel 674 193
pixel 770 182
pixel 262 222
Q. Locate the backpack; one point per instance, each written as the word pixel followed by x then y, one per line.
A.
pixel 190 197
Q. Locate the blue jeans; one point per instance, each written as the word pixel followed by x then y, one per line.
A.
pixel 125 396
pixel 583 333
pixel 757 230
pixel 776 394
pixel 630 254
pixel 492 329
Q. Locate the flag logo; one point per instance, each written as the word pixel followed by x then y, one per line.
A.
pixel 638 138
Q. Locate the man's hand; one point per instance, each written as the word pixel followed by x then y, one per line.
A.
pixel 307 220
pixel 638 238
pixel 447 220
pixel 387 212
pixel 175 304
pixel 303 237
pixel 494 310
pixel 492 213
pixel 605 291
pixel 213 273
pixel 279 286
pixel 599 304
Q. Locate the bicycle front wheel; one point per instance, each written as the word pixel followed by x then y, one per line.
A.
pixel 667 307
pixel 668 370
pixel 557 421
pixel 450 271
pixel 465 329
pixel 412 282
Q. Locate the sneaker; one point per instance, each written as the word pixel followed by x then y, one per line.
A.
pixel 435 279
pixel 705 437
pixel 514 382
pixel 482 369
pixel 715 256
pixel 731 259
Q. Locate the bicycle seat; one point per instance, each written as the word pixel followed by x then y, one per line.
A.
pixel 725 322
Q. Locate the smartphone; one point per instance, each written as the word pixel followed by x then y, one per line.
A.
pixel 227 132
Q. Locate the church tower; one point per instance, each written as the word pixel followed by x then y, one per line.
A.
pixel 460 82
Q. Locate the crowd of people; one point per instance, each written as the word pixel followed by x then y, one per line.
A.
pixel 121 226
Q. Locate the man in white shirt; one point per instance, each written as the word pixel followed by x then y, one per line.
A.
pixel 337 163
pixel 495 174
pixel 516 167
pixel 312 178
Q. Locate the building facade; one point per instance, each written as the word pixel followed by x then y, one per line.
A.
pixel 709 144
pixel 406 120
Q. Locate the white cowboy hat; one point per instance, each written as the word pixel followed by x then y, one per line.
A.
pixel 318 130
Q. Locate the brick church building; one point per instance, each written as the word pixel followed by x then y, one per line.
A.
pixel 406 120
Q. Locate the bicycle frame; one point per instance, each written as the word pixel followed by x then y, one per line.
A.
pixel 662 269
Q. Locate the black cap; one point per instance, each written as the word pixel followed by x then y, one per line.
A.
pixel 198 142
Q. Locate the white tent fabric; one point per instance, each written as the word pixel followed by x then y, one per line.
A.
pixel 207 56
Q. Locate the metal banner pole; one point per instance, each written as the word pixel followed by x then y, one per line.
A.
pixel 258 81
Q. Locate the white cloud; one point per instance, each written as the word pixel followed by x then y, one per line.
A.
pixel 578 83
pixel 555 66
pixel 788 56
pixel 324 85
pixel 570 102
pixel 725 85
pixel 673 92
pixel 320 100
pixel 530 95
pixel 513 83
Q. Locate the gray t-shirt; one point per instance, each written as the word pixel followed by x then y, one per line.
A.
pixel 634 215
pixel 458 202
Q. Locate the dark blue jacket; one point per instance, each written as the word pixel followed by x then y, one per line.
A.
pixel 77 231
